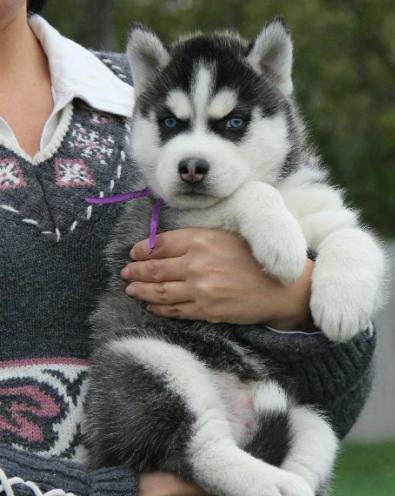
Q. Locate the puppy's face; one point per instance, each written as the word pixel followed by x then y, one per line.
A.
pixel 207 117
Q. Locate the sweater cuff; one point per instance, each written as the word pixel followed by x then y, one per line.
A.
pixel 57 473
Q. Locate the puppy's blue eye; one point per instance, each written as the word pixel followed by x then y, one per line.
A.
pixel 170 123
pixel 235 123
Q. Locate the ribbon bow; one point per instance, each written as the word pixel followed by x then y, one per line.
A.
pixel 134 195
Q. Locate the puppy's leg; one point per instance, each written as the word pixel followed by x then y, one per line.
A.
pixel 191 436
pixel 273 233
pixel 346 283
pixel 222 468
pixel 313 448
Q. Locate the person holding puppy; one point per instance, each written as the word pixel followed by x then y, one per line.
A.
pixel 63 134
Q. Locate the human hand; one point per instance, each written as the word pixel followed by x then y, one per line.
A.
pixel 166 484
pixel 205 274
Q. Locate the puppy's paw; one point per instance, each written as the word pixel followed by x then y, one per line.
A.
pixel 288 484
pixel 339 311
pixel 284 257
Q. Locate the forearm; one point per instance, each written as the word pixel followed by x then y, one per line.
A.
pixel 290 304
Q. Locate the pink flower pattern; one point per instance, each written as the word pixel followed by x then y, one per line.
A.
pixel 41 405
pixel 25 404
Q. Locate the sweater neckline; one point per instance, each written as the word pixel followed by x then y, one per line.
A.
pixel 47 193
pixel 55 143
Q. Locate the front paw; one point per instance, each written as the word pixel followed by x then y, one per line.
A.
pixel 284 257
pixel 339 314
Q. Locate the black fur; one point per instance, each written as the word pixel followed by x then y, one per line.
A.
pixel 272 440
pixel 160 421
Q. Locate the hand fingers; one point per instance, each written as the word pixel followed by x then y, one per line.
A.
pixel 187 310
pixel 164 293
pixel 167 269
pixel 168 244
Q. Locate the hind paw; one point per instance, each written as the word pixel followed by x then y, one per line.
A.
pixel 288 484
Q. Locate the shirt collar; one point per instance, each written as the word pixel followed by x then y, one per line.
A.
pixel 77 73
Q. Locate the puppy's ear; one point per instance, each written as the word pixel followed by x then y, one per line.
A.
pixel 147 55
pixel 271 54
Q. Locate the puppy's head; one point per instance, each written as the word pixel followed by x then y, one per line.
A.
pixel 211 112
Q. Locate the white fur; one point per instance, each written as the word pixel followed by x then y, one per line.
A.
pixel 346 283
pixel 318 207
pixel 271 55
pixel 180 105
pixel 269 134
pixel 201 92
pixel 222 104
pixel 313 448
pixel 270 397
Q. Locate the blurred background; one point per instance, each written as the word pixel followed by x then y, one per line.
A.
pixel 344 77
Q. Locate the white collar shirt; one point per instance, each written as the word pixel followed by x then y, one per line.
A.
pixel 75 73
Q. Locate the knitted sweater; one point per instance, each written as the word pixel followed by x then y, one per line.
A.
pixel 51 272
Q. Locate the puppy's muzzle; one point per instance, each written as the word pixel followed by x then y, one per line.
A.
pixel 193 170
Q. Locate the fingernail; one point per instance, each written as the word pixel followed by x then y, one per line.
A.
pixel 125 273
pixel 131 254
pixel 131 290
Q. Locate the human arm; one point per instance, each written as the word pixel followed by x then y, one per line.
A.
pixel 203 274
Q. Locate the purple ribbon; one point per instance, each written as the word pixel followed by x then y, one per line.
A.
pixel 133 195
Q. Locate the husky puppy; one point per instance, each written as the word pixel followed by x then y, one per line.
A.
pixel 216 134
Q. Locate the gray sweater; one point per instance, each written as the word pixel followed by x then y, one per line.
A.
pixel 51 272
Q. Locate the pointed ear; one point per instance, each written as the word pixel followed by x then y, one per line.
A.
pixel 147 56
pixel 271 55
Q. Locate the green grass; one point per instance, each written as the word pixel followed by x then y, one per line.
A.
pixel 365 470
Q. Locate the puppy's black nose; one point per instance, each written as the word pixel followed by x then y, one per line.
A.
pixel 193 170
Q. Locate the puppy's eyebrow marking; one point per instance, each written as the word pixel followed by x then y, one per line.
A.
pixel 222 104
pixel 179 104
